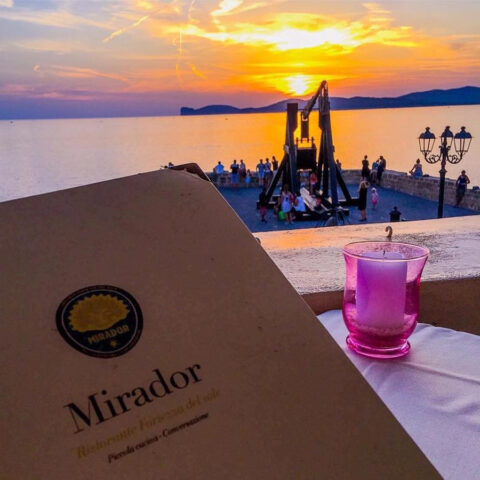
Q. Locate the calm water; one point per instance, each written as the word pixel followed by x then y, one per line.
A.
pixel 38 156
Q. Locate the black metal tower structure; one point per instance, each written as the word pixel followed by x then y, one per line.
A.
pixel 297 157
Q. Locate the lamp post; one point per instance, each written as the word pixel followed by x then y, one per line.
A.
pixel 461 140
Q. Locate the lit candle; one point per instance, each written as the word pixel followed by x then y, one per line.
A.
pixel 381 290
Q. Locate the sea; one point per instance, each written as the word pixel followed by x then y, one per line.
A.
pixel 38 156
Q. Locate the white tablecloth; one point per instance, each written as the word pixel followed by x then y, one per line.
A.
pixel 434 392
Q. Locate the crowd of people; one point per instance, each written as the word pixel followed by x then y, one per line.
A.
pixel 287 208
pixel 370 176
pixel 290 205
pixel 395 214
pixel 240 174
pixel 374 174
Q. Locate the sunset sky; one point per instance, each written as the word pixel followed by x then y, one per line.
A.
pixel 145 57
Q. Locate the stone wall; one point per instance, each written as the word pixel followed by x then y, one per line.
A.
pixel 223 180
pixel 424 187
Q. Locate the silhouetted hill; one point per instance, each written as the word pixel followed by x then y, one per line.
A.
pixel 224 109
pixel 431 98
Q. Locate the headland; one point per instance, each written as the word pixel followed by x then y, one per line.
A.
pixel 455 96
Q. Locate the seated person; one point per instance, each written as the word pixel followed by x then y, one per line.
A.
pixel 299 205
pixel 304 178
pixel 395 215
pixel 416 171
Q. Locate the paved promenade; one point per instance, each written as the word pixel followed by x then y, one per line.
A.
pixel 243 201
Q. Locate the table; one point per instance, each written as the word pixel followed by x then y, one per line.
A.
pixel 434 392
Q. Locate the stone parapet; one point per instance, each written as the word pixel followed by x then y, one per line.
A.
pixel 424 187
pixel 312 261
pixel 224 180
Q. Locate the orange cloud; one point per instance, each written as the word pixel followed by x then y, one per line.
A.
pixel 294 31
pixel 290 40
pixel 244 46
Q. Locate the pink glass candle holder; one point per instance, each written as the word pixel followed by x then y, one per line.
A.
pixel 381 296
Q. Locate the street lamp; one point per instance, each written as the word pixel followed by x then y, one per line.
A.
pixel 461 140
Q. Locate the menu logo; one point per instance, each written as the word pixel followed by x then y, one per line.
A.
pixel 100 321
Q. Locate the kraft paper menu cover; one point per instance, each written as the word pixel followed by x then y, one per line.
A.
pixel 145 334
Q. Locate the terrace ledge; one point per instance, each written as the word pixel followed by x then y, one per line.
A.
pixel 312 261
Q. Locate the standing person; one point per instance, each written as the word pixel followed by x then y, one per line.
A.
pixel 248 178
pixel 261 172
pixel 382 165
pixel 461 184
pixel 416 171
pixel 242 170
pixel 219 168
pixel 374 172
pixel 263 204
pixel 268 172
pixel 234 173
pixel 286 199
pixel 365 169
pixel 217 171
pixel 339 165
pixel 274 165
pixel 362 200
pixel 374 198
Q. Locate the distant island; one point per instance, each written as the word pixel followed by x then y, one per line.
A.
pixel 431 98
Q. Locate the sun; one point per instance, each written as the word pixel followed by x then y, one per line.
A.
pixel 291 84
pixel 297 84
